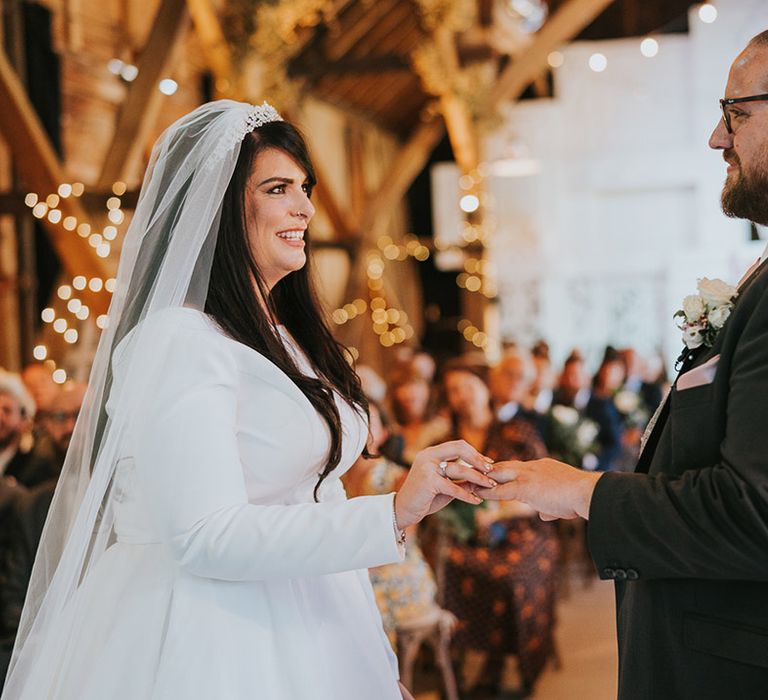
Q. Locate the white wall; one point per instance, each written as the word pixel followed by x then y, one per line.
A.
pixel 603 243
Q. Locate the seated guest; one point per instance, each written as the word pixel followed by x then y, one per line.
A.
pixel 510 381
pixel 39 382
pixel 18 458
pixel 573 386
pixel 25 518
pixel 57 423
pixel 539 396
pixel 602 410
pixel 635 380
pixel 405 591
pixel 500 582
pixel 410 396
pixel 22 525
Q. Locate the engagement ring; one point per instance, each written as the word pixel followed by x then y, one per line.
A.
pixel 442 467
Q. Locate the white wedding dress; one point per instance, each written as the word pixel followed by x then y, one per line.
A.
pixel 226 580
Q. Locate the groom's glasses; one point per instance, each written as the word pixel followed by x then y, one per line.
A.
pixel 726 104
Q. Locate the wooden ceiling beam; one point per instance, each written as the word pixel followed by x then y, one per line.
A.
pixel 458 120
pixel 337 45
pixel 41 171
pixel 139 109
pixel 218 55
pixel 358 191
pixel 394 22
pixel 326 201
pixel 407 164
pixel 567 22
pixel 370 65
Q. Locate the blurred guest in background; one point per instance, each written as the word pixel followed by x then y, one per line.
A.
pixel 410 395
pixel 57 422
pixel 374 387
pixel 573 386
pixel 500 570
pixel 18 458
pixel 510 380
pixel 539 396
pixel 602 410
pixel 636 380
pixel 39 382
pixel 24 519
pixel 17 410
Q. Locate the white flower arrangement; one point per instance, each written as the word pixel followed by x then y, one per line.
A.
pixel 705 313
pixel 626 401
pixel 572 436
pixel 565 415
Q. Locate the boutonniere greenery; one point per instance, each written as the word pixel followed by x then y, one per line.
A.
pixel 705 313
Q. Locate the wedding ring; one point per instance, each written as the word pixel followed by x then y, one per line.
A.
pixel 442 467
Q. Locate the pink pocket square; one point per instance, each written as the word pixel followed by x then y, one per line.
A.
pixel 699 376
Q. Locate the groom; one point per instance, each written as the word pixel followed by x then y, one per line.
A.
pixel 686 536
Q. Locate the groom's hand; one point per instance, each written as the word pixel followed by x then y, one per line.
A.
pixel 554 489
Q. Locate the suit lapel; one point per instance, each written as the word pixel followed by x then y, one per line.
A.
pixel 688 359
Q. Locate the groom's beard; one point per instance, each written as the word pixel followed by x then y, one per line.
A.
pixel 745 195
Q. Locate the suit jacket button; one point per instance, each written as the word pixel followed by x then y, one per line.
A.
pixel 621 575
pixel 609 573
pixel 632 575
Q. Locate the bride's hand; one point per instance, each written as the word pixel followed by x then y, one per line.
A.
pixel 429 485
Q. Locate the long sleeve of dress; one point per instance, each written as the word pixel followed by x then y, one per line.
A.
pixel 190 473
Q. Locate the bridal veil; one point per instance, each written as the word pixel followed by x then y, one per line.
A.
pixel 165 263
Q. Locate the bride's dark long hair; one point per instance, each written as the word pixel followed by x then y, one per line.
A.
pixel 232 298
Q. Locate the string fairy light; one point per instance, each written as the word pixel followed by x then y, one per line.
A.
pixel 49 207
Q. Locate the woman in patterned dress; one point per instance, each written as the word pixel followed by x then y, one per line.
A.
pixel 500 583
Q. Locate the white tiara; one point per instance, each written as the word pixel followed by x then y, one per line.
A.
pixel 258 115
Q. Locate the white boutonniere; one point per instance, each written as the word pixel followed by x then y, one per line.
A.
pixel 705 313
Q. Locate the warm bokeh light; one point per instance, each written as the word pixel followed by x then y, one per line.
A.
pixel 555 59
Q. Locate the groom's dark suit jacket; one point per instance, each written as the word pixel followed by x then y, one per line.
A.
pixel 686 536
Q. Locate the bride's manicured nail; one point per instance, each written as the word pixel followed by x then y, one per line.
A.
pixel 492 482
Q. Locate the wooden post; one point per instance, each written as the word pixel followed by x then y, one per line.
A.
pixel 38 166
pixel 139 110
pixel 566 23
pixel 215 47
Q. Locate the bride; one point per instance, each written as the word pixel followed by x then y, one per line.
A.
pixel 200 544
